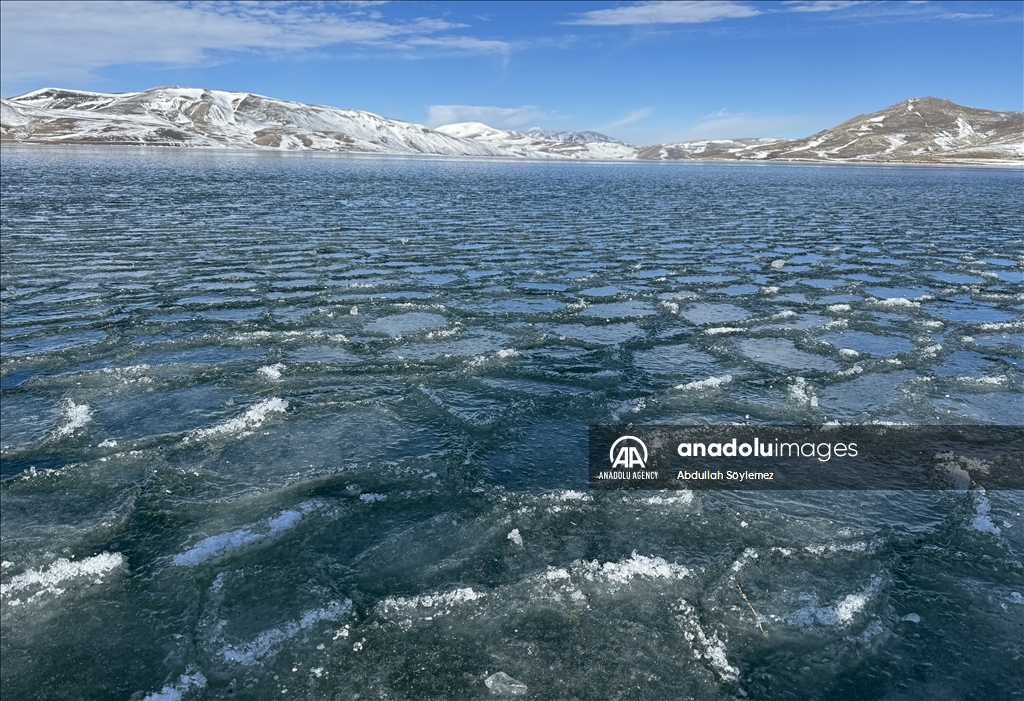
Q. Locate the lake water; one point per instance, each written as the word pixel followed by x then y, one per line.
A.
pixel 316 427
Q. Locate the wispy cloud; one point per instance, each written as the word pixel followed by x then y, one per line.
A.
pixel 498 117
pixel 629 118
pixel 964 15
pixel 58 41
pixel 862 9
pixel 820 5
pixel 723 124
pixel 667 13
pixel 471 44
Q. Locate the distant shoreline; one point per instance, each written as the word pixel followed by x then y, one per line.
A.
pixel 232 150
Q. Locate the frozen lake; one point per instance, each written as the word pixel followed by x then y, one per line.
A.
pixel 317 426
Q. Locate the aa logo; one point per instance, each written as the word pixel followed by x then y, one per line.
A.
pixel 628 452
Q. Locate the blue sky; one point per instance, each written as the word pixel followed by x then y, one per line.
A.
pixel 644 72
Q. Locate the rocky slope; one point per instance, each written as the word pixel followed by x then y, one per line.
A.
pixel 918 130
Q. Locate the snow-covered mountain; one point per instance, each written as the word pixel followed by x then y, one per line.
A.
pixel 194 117
pixel 576 137
pixel 711 149
pixel 918 130
pixel 541 143
pixel 215 119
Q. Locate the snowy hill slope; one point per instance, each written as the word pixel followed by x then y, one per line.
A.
pixel 542 143
pixel 918 130
pixel 215 119
pixel 175 116
pixel 581 137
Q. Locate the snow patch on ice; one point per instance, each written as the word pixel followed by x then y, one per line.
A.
pixel 186 682
pixel 444 333
pixel 959 469
pixel 987 380
pixel 840 614
pixel 624 571
pixel 897 302
pixel 47 580
pixel 568 495
pixel 480 360
pixel 272 372
pixel 267 642
pixel 747 555
pixel 802 393
pixel 75 417
pixel 705 647
pixel 223 543
pixel 684 496
pixel 982 521
pixel 1000 325
pixel 710 383
pixel 857 547
pixel 437 601
pixel 245 424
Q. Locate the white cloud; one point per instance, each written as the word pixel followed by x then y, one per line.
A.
pixel 629 118
pixel 58 41
pixel 497 117
pixel 668 13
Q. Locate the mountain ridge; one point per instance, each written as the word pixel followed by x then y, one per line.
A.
pixel 916 130
pixel 196 117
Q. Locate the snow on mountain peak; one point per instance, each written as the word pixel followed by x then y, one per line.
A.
pixel 474 130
